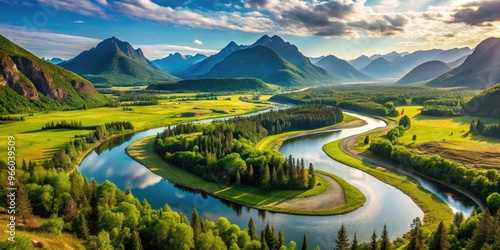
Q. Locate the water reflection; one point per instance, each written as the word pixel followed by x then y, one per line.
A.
pixel 384 204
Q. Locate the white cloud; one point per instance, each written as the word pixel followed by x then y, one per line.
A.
pixel 157 51
pixel 78 21
pixel 83 7
pixel 53 45
pixel 196 41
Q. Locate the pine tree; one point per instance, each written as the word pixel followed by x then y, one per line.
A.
pixel 373 243
pixel 251 230
pixel 134 243
pixel 281 239
pixel 483 233
pixel 265 178
pixel 342 241
pixel 274 178
pixel 195 224
pixel 304 243
pixel 354 245
pixel 81 227
pixel 238 179
pixel 312 176
pixel 440 240
pixel 386 242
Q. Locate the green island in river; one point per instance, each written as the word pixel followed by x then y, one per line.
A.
pixel 331 195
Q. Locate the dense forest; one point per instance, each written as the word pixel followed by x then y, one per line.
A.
pixel 380 100
pixel 485 104
pixel 224 152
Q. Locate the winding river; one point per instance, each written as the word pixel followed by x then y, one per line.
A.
pixel 385 204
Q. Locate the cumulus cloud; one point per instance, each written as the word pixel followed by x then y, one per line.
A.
pixel 196 41
pixel 478 13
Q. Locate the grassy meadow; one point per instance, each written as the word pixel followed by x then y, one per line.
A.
pixel 34 144
pixel 448 137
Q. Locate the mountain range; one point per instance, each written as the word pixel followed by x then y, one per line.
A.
pixel 54 60
pixel 341 69
pixel 270 59
pixel 176 63
pixel 479 71
pixel 28 83
pixel 116 62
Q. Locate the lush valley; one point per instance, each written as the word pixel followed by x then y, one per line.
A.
pixel 442 118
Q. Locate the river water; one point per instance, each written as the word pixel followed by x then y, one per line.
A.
pixel 385 204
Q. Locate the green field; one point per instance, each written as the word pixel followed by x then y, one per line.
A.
pixel 273 142
pixel 142 151
pixel 435 209
pixel 34 144
pixel 448 137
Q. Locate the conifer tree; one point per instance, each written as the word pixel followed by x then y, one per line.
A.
pixel 23 208
pixel 195 224
pixel 386 242
pixel 440 240
pixel 373 243
pixel 304 243
pixel 342 241
pixel 354 245
pixel 251 230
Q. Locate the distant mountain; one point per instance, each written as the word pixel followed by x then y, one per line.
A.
pixel 416 58
pixel 206 65
pixel 341 69
pixel 486 104
pixel 260 62
pixel 389 57
pixel 479 71
pixel 215 85
pixel 117 63
pixel 314 60
pixel 54 60
pixel 28 83
pixel 291 53
pixel 360 62
pixel 457 62
pixel 425 71
pixel 381 68
pixel 176 63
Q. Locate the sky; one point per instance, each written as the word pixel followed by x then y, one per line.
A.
pixel 344 28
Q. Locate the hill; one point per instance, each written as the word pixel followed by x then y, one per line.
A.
pixel 457 62
pixel 206 65
pixel 176 63
pixel 425 71
pixel 117 63
pixel 215 85
pixel 412 60
pixel 381 68
pixel 486 104
pixel 360 62
pixel 341 69
pixel 260 62
pixel 479 71
pixel 28 83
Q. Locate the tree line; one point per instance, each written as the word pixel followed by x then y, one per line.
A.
pixel 480 183
pixel 481 128
pixel 224 152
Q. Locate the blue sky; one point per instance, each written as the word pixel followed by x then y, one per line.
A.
pixel 345 28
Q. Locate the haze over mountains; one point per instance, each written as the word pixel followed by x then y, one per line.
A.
pixel 381 68
pixel 117 63
pixel 479 71
pixel 341 69
pixel 425 71
pixel 176 63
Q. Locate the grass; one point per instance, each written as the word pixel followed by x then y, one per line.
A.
pixel 34 144
pixel 435 209
pixel 32 230
pixel 274 142
pixel 142 151
pixel 448 137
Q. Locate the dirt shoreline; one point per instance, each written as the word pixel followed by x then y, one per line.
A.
pixel 333 197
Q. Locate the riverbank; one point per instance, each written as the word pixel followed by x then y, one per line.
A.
pixel 274 142
pixel 273 201
pixel 435 210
